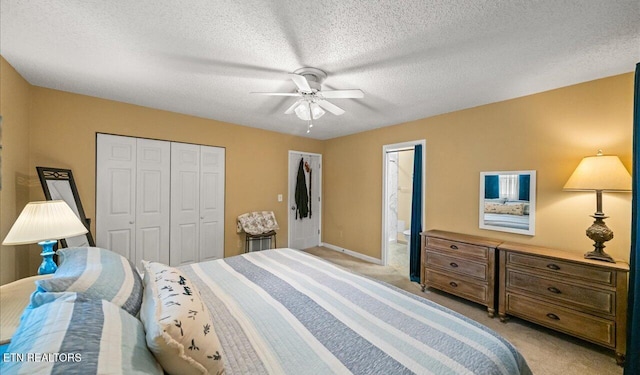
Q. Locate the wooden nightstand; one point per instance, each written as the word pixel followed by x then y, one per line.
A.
pixel 14 298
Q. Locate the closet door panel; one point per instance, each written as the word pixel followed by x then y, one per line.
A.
pixel 212 177
pixel 115 193
pixel 186 238
pixel 152 200
pixel 185 198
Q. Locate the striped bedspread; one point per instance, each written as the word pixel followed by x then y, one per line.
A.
pixel 286 312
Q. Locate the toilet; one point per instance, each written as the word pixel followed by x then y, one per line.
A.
pixel 407 237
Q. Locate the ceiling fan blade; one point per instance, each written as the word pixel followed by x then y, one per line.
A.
pixel 330 107
pixel 293 107
pixel 342 94
pixel 277 93
pixel 301 82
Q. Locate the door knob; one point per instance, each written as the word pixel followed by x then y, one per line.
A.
pixel 293 208
pixel 131 222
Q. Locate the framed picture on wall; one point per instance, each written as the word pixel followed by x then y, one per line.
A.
pixel 58 184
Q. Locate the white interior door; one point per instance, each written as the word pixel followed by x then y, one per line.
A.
pixel 305 232
pixel 185 203
pixel 115 194
pixel 152 200
pixel 212 160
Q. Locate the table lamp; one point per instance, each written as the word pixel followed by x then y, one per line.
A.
pixel 45 222
pixel 599 173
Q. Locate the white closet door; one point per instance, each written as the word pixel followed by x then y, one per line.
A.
pixel 115 194
pixel 185 203
pixel 152 201
pixel 211 203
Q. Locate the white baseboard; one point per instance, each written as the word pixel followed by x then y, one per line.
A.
pixel 352 253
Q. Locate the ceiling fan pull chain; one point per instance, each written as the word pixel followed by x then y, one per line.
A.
pixel 310 120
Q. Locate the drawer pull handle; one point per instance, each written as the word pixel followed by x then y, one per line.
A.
pixel 554 290
pixel 454 247
pixel 553 316
pixel 453 284
pixel 553 266
pixel 454 265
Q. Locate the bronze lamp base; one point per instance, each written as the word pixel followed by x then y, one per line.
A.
pixel 599 233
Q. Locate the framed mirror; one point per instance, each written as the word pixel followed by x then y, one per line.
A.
pixel 59 184
pixel 508 201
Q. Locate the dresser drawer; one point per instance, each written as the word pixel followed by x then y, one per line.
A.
pixel 598 300
pixel 563 269
pixel 474 291
pixel 457 265
pixel 589 327
pixel 460 248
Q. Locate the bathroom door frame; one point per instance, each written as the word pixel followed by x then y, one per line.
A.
pixel 386 149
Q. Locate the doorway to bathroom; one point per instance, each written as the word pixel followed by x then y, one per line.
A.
pixel 398 189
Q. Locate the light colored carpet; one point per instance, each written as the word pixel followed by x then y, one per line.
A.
pixel 547 352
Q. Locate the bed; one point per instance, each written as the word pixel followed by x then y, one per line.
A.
pixel 286 312
pixel 278 311
pixel 507 220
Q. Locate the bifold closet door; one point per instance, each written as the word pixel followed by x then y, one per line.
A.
pixel 116 194
pixel 212 173
pixel 132 197
pixel 197 203
pixel 152 201
pixel 159 200
pixel 185 203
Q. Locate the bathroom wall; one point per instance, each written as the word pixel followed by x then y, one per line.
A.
pixel 405 189
pixel 392 195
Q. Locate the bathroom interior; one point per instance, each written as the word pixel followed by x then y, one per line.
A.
pixel 399 188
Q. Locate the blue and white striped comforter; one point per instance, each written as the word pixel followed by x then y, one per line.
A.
pixel 285 312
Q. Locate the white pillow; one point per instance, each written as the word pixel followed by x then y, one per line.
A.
pixel 178 325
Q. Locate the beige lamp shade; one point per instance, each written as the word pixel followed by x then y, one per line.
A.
pixel 46 220
pixel 600 172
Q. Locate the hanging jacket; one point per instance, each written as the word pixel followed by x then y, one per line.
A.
pixel 302 199
pixel 310 200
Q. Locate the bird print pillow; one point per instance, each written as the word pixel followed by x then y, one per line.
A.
pixel 178 325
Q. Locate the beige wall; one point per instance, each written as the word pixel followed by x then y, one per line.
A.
pixel 405 188
pixel 15 261
pixel 63 132
pixel 548 132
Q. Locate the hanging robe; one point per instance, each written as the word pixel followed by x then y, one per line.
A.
pixel 302 199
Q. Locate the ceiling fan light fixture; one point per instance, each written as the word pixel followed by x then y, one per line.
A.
pixel 302 111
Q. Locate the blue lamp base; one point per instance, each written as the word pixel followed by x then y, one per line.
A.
pixel 48 265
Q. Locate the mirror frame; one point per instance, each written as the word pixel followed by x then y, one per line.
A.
pixel 532 203
pixel 61 175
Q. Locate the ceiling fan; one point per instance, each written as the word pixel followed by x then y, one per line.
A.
pixel 312 103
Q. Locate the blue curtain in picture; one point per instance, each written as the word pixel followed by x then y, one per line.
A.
pixel 491 187
pixel 524 184
pixel 416 216
pixel 632 363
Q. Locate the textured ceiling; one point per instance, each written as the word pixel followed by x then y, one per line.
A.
pixel 413 59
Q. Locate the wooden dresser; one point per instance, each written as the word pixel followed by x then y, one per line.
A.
pixel 563 291
pixel 460 264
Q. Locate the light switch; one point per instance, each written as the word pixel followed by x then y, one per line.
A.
pixel 279 197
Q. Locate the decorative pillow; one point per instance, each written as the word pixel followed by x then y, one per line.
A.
pixel 96 273
pixel 179 329
pixel 497 208
pixel 73 335
pixel 257 222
